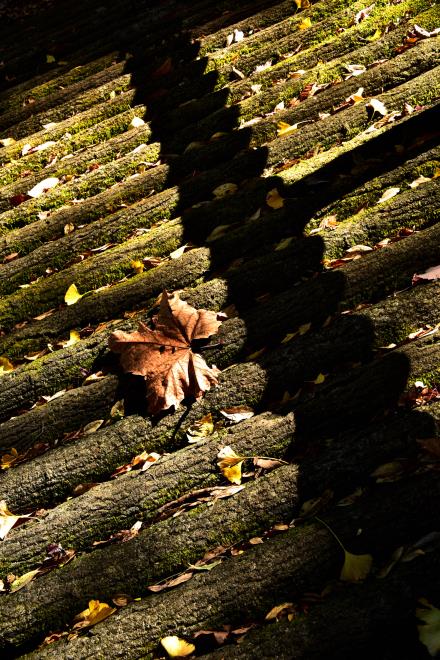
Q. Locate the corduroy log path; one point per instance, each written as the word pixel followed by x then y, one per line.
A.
pixel 278 162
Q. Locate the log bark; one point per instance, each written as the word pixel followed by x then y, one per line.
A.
pixel 301 560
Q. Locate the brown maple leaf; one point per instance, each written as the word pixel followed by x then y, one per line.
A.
pixel 164 357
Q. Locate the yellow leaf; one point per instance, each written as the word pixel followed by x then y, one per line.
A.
pixel 8 460
pixel 137 266
pixel 302 4
pixel 284 243
pixel 23 580
pixel 7 142
pixel 7 519
pixel 320 378
pixel 228 457
pixel 306 23
pixel 50 59
pixel 285 129
pixel 289 337
pixel 278 609
pixel 69 228
pixel 374 37
pixel 429 630
pixel 5 365
pixel 72 295
pixel 304 328
pixel 274 199
pixel 202 428
pixel 73 339
pixel 176 647
pixel 233 474
pixel 356 567
pixel 95 613
pixel 225 189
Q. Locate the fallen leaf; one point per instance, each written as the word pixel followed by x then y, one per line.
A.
pixel 359 249
pixel 5 365
pixel 69 228
pixel 43 186
pixel 284 243
pixel 267 463
pixel 430 274
pixel 285 129
pixel 356 567
pixel 72 295
pixel 274 199
pixel 23 580
pixel 7 520
pixel 354 70
pixel 320 378
pixel 388 194
pixel 305 24
pixel 224 190
pixel 74 338
pixel 417 182
pixel 230 464
pixel 278 610
pixel 136 122
pixel 375 36
pixel 7 142
pixel 184 577
pixel 137 266
pixel 263 67
pixel 164 357
pixel 377 106
pixel 121 600
pixel 8 460
pixel 91 427
pixel 429 629
pixel 176 647
pixel 95 613
pixel 238 36
pixel 201 429
pixel 236 414
pixel 50 59
pixel 362 14
pixel 176 254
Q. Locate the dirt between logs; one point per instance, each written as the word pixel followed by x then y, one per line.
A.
pixel 277 162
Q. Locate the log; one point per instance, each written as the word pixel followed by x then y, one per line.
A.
pixel 301 560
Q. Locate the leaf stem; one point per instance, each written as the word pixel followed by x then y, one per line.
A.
pixel 331 532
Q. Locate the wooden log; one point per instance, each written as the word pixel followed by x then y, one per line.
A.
pixel 301 560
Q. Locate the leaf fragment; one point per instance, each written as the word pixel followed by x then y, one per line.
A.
pixel 224 190
pixel 7 520
pixel 305 24
pixel 137 266
pixel 430 274
pixel 7 142
pixel 237 414
pixel 177 647
pixel 201 429
pixel 5 365
pixel 23 580
pixel 279 610
pixel 377 106
pixel 136 122
pixel 286 129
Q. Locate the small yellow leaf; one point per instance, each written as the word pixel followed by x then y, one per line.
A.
pixel 72 295
pixel 320 378
pixel 284 243
pixel 50 59
pixel 5 365
pixel 279 609
pixel 95 613
pixel 356 567
pixel 289 337
pixel 176 647
pixel 202 428
pixel 285 129
pixel 224 190
pixel 23 580
pixel 137 266
pixel 73 339
pixel 304 328
pixel 306 23
pixel 7 142
pixel 228 457
pixel 233 474
pixel 302 4
pixel 374 37
pixel 274 199
pixel 429 630
pixel 69 228
pixel 8 460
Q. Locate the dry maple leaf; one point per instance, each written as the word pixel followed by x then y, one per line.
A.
pixel 164 356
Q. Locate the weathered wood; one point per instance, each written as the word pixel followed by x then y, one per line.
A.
pixel 301 560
